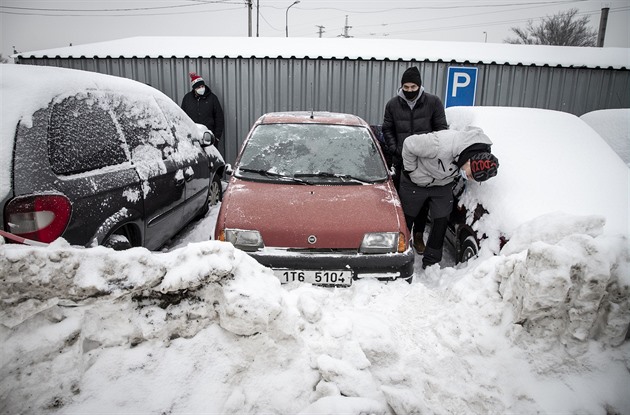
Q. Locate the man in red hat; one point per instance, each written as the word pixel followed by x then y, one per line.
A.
pixel 203 106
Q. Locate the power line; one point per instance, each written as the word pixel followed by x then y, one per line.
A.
pixel 197 3
pixel 467 5
pixel 31 11
pixel 498 23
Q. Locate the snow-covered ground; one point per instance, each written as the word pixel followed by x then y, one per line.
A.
pixel 203 328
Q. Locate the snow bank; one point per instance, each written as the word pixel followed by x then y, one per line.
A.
pixel 540 328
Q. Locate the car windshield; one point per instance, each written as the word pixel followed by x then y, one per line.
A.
pixel 313 153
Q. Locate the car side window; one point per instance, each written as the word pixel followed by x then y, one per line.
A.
pixel 82 136
pixel 146 131
pixel 181 125
pixel 183 128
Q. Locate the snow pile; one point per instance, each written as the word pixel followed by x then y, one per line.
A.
pixel 204 328
pixel 571 285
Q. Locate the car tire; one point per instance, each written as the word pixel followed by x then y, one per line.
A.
pixel 469 249
pixel 215 193
pixel 117 242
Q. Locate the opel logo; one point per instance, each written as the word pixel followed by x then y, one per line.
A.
pixel 312 239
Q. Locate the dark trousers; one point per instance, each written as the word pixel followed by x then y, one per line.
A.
pixel 439 200
pixel 420 221
pixel 435 244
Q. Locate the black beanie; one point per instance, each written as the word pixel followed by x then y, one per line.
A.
pixel 483 166
pixel 411 75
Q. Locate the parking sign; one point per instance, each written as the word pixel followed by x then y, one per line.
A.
pixel 461 86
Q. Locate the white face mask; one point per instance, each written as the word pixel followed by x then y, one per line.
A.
pixel 201 90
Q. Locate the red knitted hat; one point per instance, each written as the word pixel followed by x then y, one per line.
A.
pixel 195 79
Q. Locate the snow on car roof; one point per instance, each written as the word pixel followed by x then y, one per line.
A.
pixel 550 161
pixel 44 83
pixel 614 127
pixel 321 117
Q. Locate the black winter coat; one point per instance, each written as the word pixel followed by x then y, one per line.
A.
pixel 400 121
pixel 205 110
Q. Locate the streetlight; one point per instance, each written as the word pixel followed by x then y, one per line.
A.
pixel 486 39
pixel 286 19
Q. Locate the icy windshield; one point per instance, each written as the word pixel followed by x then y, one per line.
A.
pixel 314 152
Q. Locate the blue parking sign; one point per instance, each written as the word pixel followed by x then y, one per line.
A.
pixel 461 86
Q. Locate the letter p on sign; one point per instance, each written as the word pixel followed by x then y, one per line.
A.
pixel 461 86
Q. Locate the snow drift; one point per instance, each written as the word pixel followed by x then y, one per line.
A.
pixel 204 328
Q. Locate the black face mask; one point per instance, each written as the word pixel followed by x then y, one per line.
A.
pixel 411 95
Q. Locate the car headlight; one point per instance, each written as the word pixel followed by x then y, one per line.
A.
pixel 245 240
pixel 382 243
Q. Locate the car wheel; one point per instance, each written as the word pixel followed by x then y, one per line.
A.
pixel 470 249
pixel 117 242
pixel 216 191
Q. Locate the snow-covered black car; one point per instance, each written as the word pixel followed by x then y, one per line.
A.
pixel 551 162
pixel 99 160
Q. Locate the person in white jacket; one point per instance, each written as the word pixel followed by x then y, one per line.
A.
pixel 431 163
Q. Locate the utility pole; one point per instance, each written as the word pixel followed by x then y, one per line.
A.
pixel 345 29
pixel 603 22
pixel 321 30
pixel 257 16
pixel 249 18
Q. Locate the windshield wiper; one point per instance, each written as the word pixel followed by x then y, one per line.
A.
pixel 344 177
pixel 268 173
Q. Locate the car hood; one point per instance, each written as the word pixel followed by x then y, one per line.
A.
pixel 286 215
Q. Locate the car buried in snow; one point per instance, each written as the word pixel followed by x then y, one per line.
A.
pixel 99 160
pixel 550 161
pixel 311 197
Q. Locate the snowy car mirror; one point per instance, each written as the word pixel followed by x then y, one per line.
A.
pixel 208 138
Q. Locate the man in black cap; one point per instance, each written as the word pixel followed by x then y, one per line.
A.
pixel 411 111
pixel 203 107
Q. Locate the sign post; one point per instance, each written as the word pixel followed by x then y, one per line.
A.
pixel 461 86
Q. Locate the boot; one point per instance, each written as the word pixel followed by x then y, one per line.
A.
pixel 418 243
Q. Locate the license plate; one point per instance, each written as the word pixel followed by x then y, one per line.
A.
pixel 343 278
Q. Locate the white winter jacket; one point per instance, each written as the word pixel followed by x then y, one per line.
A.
pixel 430 159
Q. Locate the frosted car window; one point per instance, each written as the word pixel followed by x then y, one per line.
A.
pixel 180 123
pixel 82 136
pixel 302 149
pixel 144 127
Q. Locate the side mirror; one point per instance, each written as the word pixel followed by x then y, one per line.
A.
pixel 208 139
pixel 228 169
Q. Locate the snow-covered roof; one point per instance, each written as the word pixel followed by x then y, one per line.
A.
pixel 342 48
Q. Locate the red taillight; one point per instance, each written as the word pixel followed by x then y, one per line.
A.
pixel 40 218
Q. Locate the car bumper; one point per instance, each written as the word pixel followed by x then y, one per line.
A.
pixel 382 266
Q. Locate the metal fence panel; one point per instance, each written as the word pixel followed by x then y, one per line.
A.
pixel 250 87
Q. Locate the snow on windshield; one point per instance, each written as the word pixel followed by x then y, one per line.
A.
pixel 310 149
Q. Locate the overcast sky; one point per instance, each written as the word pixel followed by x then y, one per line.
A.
pixel 30 25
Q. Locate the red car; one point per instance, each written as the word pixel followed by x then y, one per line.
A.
pixel 311 197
